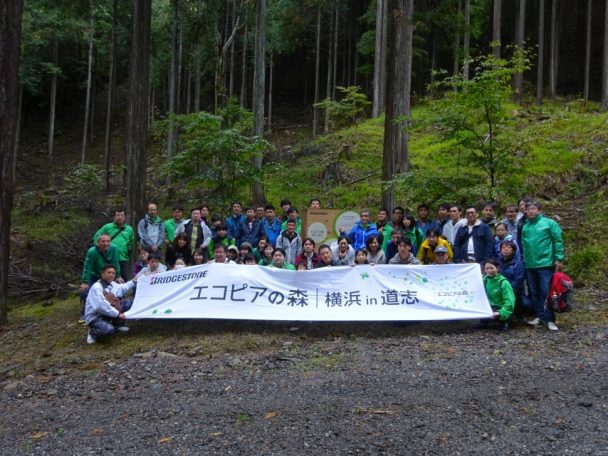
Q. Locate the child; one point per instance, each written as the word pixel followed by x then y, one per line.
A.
pixel 361 257
pixel 142 262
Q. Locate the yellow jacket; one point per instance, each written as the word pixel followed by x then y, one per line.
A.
pixel 426 253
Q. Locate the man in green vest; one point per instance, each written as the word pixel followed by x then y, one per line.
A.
pixel 122 237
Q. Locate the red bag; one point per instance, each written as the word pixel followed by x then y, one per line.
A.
pixel 560 293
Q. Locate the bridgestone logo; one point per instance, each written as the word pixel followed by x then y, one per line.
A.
pixel 178 278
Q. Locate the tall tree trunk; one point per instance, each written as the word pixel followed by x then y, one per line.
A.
pixel 605 61
pixel 553 51
pixel 587 50
pixel 335 61
pixel 315 111
pixel 172 83
pixel 110 105
pixel 379 58
pixel 243 94
pixel 520 24
pixel 496 23
pixel 330 60
pixel 259 92
pixel 136 133
pixel 232 49
pixel 541 53
pixel 270 89
pixel 399 63
pixel 53 102
pixel 179 79
pixel 87 105
pixel 467 37
pixel 188 81
pixel 10 36
pixel 456 68
pixel 197 64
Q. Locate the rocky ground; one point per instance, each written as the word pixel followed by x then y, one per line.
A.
pixel 440 388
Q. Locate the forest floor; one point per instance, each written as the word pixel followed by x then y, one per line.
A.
pixel 218 387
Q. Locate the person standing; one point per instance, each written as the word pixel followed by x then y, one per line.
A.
pixel 453 225
pixel 198 233
pixel 173 223
pixel 122 237
pixel 543 253
pixel 151 230
pixel 474 242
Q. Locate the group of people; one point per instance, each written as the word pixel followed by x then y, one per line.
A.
pixel 518 254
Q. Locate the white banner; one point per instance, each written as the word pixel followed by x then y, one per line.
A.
pixel 372 293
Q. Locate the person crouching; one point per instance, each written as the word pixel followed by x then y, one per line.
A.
pixel 104 310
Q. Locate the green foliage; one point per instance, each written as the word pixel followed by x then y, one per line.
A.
pixel 586 263
pixel 215 155
pixel 85 179
pixel 473 114
pixel 348 110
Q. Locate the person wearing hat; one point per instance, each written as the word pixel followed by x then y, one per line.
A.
pixel 426 253
pixel 441 255
pixel 231 254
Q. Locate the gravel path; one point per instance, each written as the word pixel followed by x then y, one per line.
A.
pixel 441 388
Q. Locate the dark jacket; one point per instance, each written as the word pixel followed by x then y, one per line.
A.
pixel 483 243
pixel 250 234
pixel 514 271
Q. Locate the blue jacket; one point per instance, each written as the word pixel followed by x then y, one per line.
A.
pixel 359 234
pixel 483 243
pixel 514 271
pixel 232 223
pixel 251 235
pixel 271 230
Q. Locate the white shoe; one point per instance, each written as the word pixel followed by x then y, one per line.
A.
pixel 552 326
pixel 90 339
pixel 534 322
pixel 122 329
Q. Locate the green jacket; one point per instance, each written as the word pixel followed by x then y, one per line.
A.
pixel 500 294
pixel 123 238
pixel 298 225
pixel 542 242
pixel 170 227
pixel 95 260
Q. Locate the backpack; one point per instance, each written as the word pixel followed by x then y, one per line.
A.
pixel 560 293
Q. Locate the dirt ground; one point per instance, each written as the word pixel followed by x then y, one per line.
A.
pixel 433 388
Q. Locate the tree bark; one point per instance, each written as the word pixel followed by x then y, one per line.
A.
pixel 330 60
pixel 10 36
pixel 243 94
pixel 172 83
pixel 259 93
pixel 377 107
pixel 179 75
pixel 87 105
pixel 53 102
pixel 553 52
pixel 315 111
pixel 587 50
pixel 231 75
pixel 197 64
pixel 605 61
pixel 335 61
pixel 110 105
pixel 496 23
pixel 136 133
pixel 399 63
pixel 541 53
pixel 457 40
pixel 270 89
pixel 467 37
pixel 520 24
